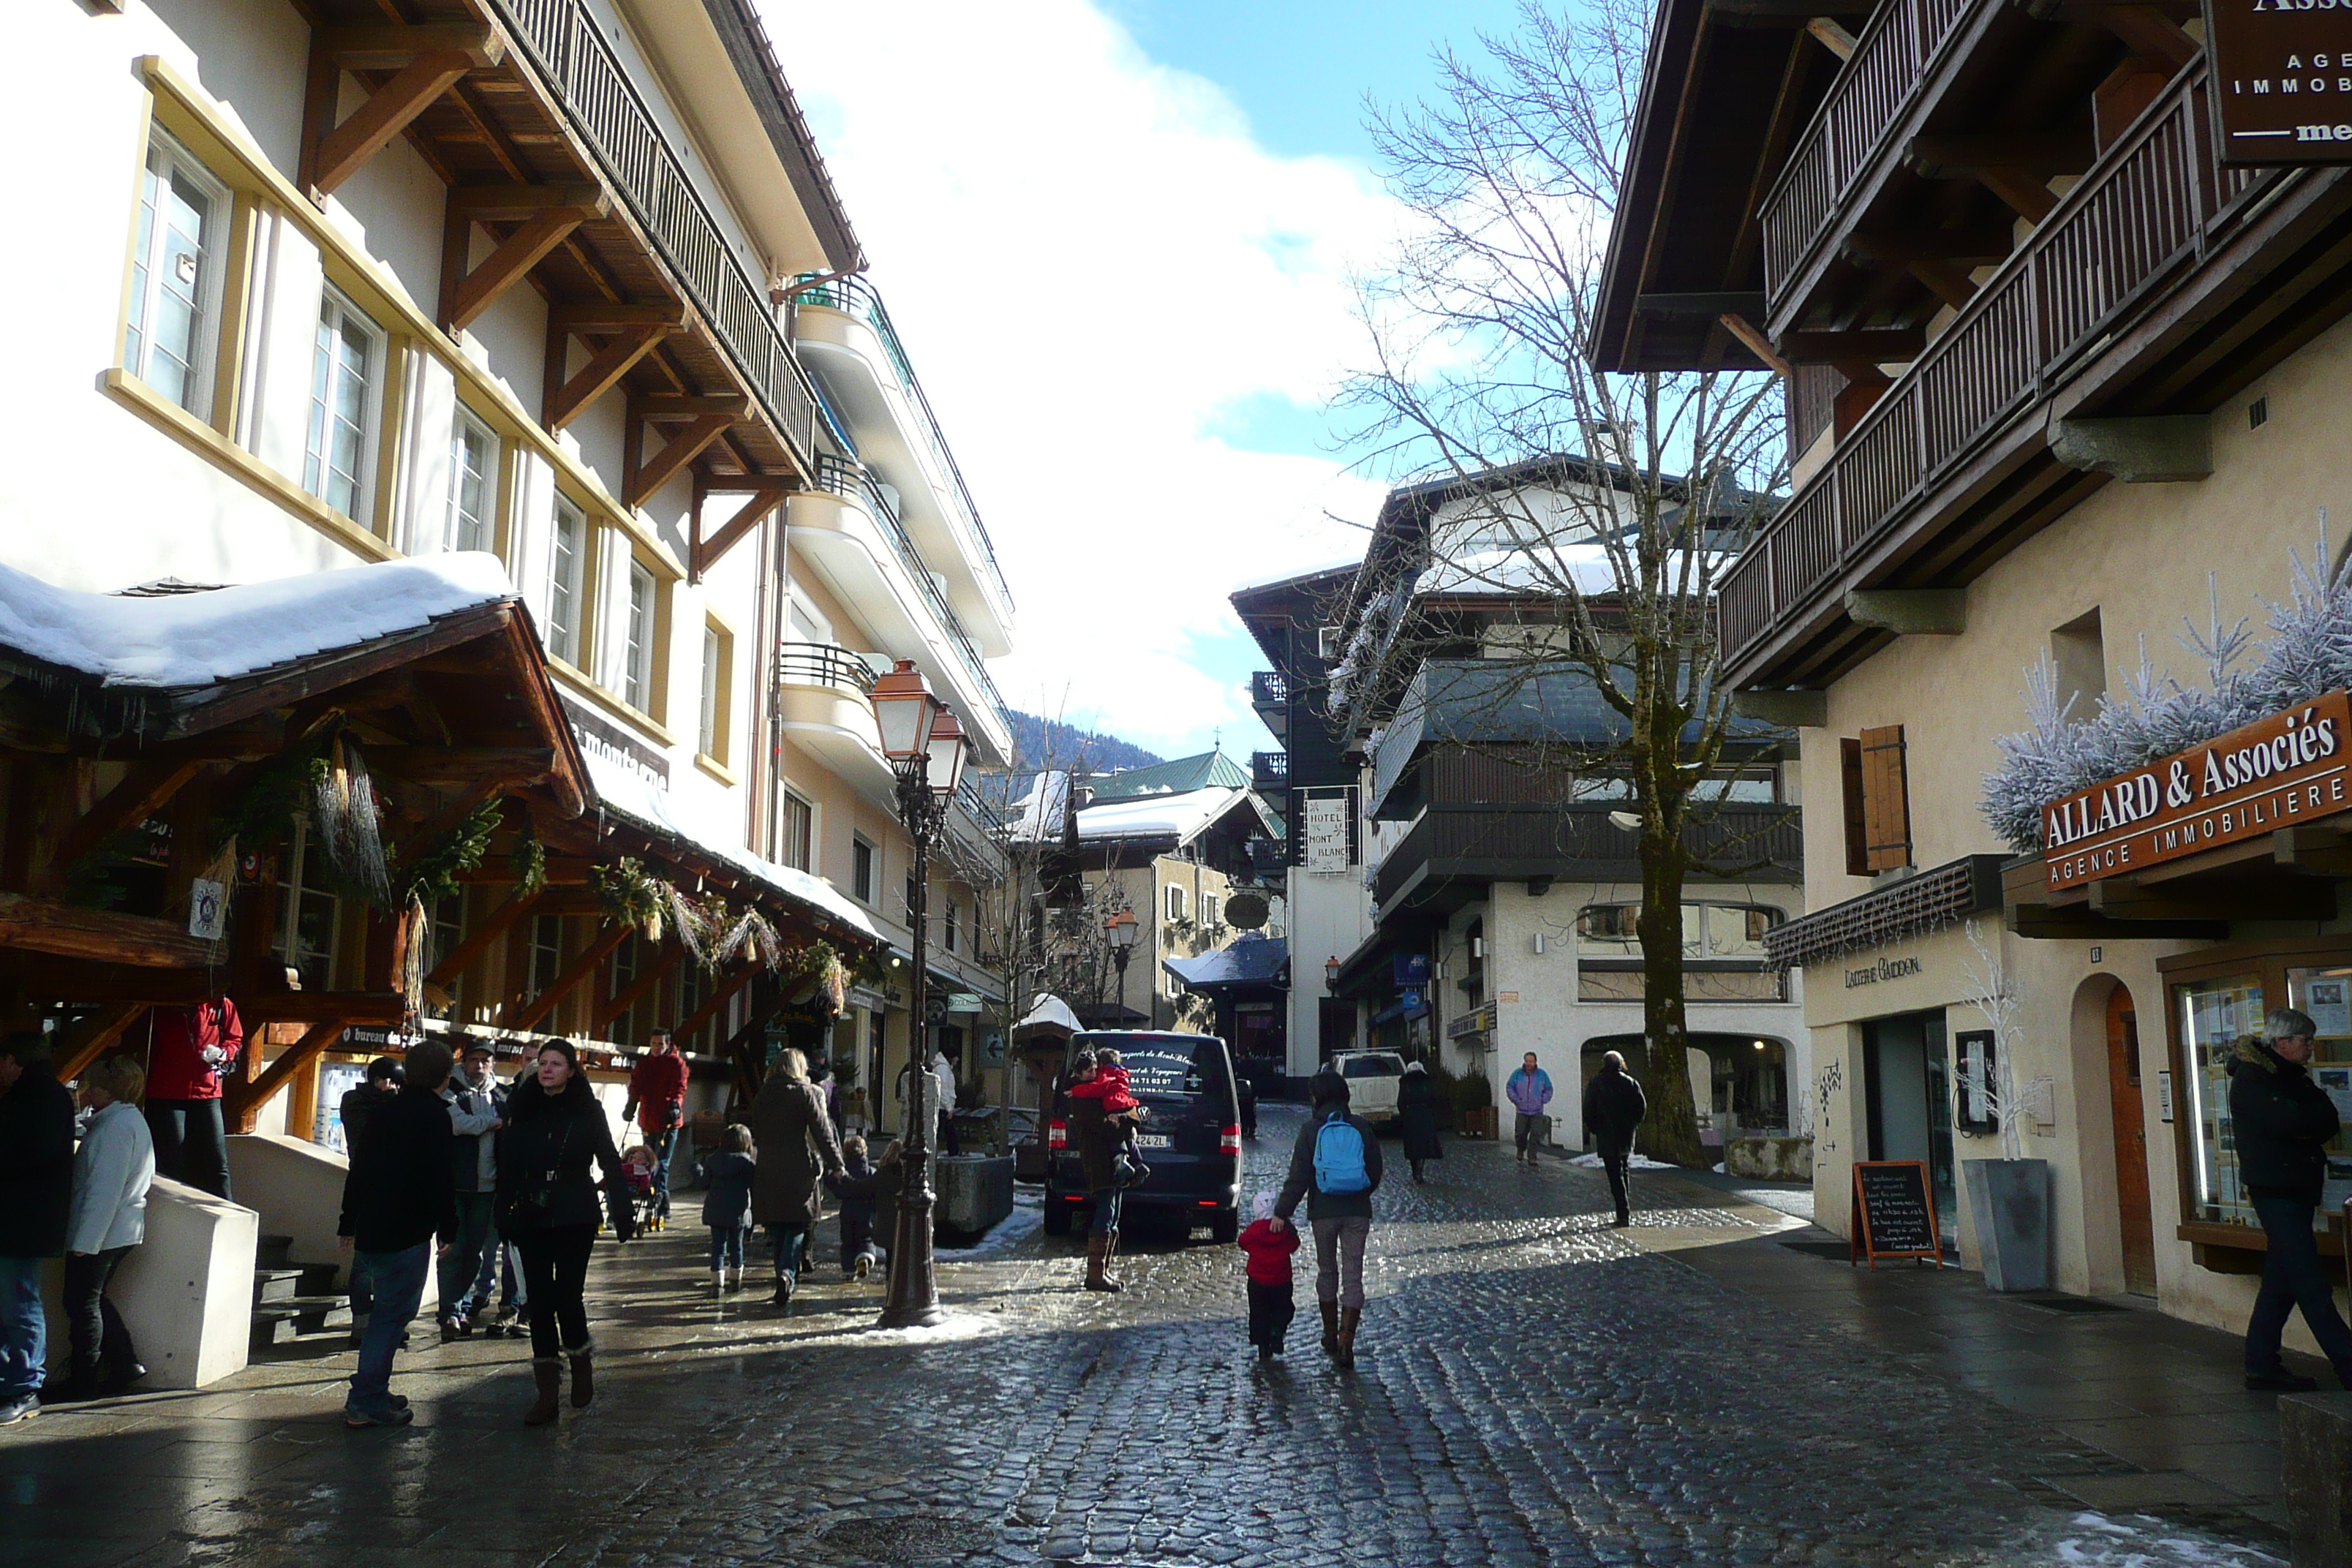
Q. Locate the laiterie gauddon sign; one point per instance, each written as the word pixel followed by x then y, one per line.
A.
pixel 2288 768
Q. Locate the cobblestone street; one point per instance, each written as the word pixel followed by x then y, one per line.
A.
pixel 1532 1388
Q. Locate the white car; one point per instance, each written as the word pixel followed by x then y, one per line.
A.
pixel 1373 1080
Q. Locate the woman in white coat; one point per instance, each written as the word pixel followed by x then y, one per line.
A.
pixel 112 1172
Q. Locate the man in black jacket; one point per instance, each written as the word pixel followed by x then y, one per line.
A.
pixel 37 1156
pixel 398 1196
pixel 2281 1124
pixel 1614 1106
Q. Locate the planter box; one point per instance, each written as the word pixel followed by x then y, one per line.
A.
pixel 1769 1159
pixel 2009 1201
pixel 1479 1122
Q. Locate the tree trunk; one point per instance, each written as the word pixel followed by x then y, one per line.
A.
pixel 1670 1132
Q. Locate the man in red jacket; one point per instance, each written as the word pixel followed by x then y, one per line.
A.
pixel 657 1099
pixel 190 1049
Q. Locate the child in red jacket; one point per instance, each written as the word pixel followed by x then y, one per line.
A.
pixel 1268 1251
pixel 1107 1082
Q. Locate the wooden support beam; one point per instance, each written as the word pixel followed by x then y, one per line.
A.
pixel 706 553
pixel 97 1033
pixel 453 765
pixel 600 316
pixel 1975 247
pixel 244 1099
pixel 683 448
pixel 42 925
pixel 2041 154
pixel 1884 345
pixel 744 483
pixel 603 373
pixel 2150 32
pixel 726 992
pixel 143 792
pixel 1756 343
pixel 381 47
pixel 463 299
pixel 676 406
pixel 635 990
pixel 389 111
pixel 529 1014
pixel 1947 282
pixel 513 204
pixel 488 930
pixel 1832 35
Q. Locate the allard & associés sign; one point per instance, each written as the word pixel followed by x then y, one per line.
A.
pixel 2273 773
pixel 2280 80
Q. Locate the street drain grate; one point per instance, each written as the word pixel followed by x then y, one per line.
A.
pixel 2070 1304
pixel 912 1538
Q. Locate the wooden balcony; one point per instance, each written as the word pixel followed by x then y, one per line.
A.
pixel 2159 284
pixel 1452 855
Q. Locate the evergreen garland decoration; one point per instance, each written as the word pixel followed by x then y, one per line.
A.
pixel 461 849
pixel 631 894
pixel 529 862
pixel 278 791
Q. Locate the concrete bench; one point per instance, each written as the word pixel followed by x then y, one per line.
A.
pixel 2315 1460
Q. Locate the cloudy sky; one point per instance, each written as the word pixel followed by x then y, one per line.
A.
pixel 1117 237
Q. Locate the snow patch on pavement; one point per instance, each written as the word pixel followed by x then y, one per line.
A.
pixel 1635 1161
pixel 955 1326
pixel 2093 1540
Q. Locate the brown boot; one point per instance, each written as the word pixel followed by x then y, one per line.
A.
pixel 583 1374
pixel 1330 1328
pixel 1345 1360
pixel 548 1374
pixel 1098 1262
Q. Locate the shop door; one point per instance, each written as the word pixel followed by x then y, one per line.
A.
pixel 2134 1217
pixel 1905 1084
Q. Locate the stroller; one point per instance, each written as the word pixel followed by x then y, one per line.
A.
pixel 638 1166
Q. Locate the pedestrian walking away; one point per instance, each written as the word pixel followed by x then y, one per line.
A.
pixel 548 1207
pixel 1614 1106
pixel 1101 1133
pixel 1336 1167
pixel 382 1085
pixel 657 1102
pixel 1267 1277
pixel 477 1105
pixel 399 1200
pixel 797 1152
pixel 1417 1109
pixel 2284 1124
pixel 187 1051
pixel 36 1170
pixel 726 1202
pixel 859 1188
pixel 112 1173
pixel 1528 1091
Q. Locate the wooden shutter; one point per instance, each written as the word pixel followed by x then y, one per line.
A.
pixel 1857 842
pixel 1885 800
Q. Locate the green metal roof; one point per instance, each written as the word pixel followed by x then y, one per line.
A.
pixel 1210 770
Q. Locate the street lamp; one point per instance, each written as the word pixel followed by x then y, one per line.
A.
pixel 926 747
pixel 1331 972
pixel 1121 928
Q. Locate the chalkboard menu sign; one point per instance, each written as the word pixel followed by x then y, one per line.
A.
pixel 1894 1212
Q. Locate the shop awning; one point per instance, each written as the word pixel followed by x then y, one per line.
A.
pixel 1250 959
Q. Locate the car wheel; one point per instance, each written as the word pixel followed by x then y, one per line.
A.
pixel 1225 1225
pixel 1058 1215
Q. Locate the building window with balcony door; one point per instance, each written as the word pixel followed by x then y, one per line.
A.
pixel 864 870
pixel 175 276
pixel 567 585
pixel 346 385
pixel 718 691
pixel 473 484
pixel 948 926
pixel 638 642
pixel 799 845
pixel 546 953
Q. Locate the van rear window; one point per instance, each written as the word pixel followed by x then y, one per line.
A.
pixel 1372 1066
pixel 1158 1065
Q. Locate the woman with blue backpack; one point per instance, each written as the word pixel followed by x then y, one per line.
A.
pixel 1336 1167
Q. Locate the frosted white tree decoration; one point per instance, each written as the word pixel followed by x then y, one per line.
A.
pixel 1987 985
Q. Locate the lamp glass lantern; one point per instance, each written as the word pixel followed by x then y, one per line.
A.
pixel 1123 929
pixel 943 759
pixel 904 710
pixel 1331 972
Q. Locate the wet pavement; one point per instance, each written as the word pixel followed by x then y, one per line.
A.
pixel 1532 1387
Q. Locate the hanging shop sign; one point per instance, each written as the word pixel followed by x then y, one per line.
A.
pixel 2280 80
pixel 2277 771
pixel 1324 821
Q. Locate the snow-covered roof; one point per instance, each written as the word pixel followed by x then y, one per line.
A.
pixel 1345 563
pixel 192 639
pixel 1180 816
pixel 624 790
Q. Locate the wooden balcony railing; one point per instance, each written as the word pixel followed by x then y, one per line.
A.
pixel 2152 204
pixel 1863 107
pixel 564 45
pixel 1581 843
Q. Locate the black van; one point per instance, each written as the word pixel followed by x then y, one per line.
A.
pixel 1191 1139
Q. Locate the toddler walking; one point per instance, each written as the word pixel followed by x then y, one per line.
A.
pixel 1268 1251
pixel 727 1204
pixel 859 1185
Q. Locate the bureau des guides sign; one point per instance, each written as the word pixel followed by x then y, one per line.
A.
pixel 1323 819
pixel 2273 773
pixel 2280 80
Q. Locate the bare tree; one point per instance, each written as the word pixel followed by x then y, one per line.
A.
pixel 1480 373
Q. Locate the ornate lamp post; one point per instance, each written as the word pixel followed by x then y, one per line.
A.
pixel 1121 928
pixel 925 746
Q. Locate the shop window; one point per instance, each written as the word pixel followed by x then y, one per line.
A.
pixel 2215 1014
pixel 1877 802
pixel 175 276
pixel 346 385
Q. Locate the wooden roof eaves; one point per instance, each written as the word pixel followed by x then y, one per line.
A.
pixel 1674 38
pixel 754 57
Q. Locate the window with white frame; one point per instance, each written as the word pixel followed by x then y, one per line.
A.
pixel 346 380
pixel 637 651
pixel 306 942
pixel 621 1031
pixel 800 832
pixel 567 586
pixel 448 930
pixel 714 670
pixel 1208 908
pixel 175 276
pixel 1176 902
pixel 473 485
pixel 546 951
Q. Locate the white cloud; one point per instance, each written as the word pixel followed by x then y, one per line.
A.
pixel 1089 260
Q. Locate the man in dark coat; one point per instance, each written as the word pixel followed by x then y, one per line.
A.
pixel 1614 1106
pixel 797 1152
pixel 381 1086
pixel 400 1193
pixel 2283 1123
pixel 36 1159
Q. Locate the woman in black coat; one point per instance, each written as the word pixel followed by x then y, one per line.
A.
pixel 1417 1109
pixel 549 1208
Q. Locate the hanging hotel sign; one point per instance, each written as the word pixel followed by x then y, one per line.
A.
pixel 2273 773
pixel 2282 81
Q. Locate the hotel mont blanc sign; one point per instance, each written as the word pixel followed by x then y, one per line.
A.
pixel 2273 773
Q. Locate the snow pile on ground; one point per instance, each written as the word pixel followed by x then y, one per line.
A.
pixel 221 634
pixel 955 1326
pixel 2091 1540
pixel 1632 1163
pixel 1028 1214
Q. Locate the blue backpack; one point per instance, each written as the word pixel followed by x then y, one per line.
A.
pixel 1339 1159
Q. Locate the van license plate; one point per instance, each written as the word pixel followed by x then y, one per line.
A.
pixel 1154 1141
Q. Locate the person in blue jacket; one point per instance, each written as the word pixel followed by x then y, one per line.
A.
pixel 1528 1091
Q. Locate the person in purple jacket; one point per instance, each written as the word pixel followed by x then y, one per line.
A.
pixel 1528 1091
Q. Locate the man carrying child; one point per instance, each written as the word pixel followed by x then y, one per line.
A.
pixel 1103 1115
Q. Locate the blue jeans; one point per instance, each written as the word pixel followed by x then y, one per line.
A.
pixel 23 1331
pixel 2292 1277
pixel 663 1143
pixel 790 1244
pixel 399 1281
pixel 1107 1207
pixel 726 1246
pixel 461 1269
